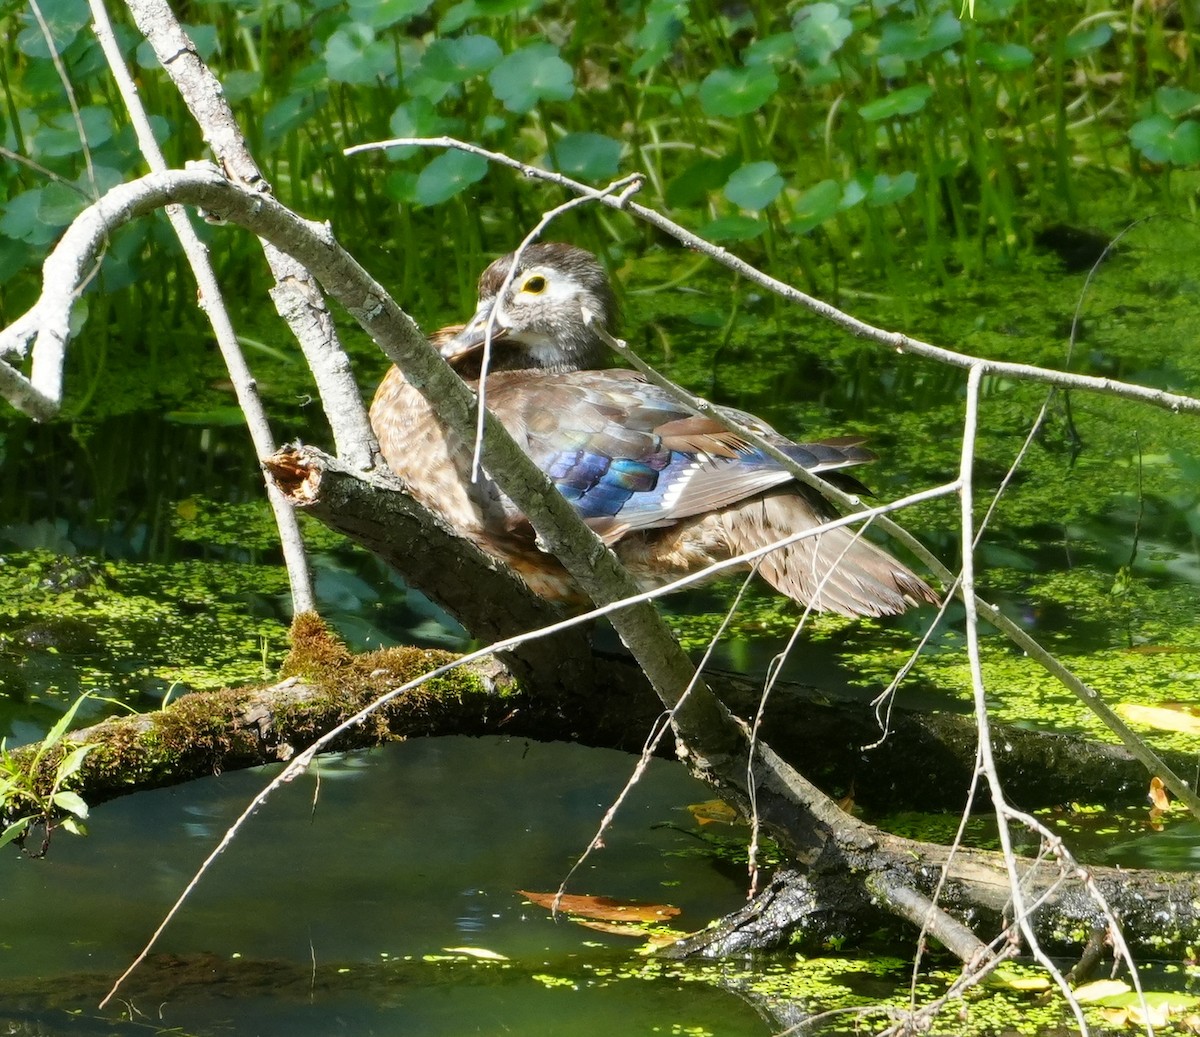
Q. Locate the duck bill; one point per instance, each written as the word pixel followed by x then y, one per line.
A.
pixel 470 338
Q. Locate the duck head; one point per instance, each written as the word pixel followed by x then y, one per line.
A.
pixel 540 320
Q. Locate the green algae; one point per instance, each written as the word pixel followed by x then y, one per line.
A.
pixel 246 525
pixel 853 995
pixel 134 629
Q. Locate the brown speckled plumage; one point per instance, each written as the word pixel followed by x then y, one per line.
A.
pixel 669 491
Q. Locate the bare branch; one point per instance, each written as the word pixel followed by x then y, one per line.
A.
pixel 1021 911
pixel 296 295
pixel 213 305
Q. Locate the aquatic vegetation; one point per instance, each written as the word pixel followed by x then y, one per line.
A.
pixel 879 136
pixel 26 804
pixel 137 631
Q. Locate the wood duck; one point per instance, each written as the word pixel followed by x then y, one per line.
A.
pixel 669 491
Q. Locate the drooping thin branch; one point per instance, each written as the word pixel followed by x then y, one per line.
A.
pixel 649 747
pixel 955 845
pixel 1021 912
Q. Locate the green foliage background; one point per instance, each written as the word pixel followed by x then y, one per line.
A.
pixel 862 134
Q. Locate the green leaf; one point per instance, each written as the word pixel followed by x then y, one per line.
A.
pixel 755 186
pixel 73 825
pixel 457 60
pixel 886 190
pixel 60 728
pixel 591 156
pixel 354 55
pixel 819 31
pixel 457 16
pixel 383 14
pixel 448 174
pixel 1175 101
pixel 778 49
pixel 61 137
pixel 1087 40
pixel 240 84
pixel 730 92
pixel 664 27
pixel 421 84
pixel 400 185
pixel 21 221
pixel 204 39
pixel 60 204
pixel 1162 140
pixel 71 763
pixel 71 802
pixel 1005 57
pixel 290 113
pixel 532 74
pixel 416 118
pixel 815 206
pixel 853 193
pixel 733 228
pixel 14 831
pixel 915 40
pixel 64 18
pixel 692 186
pixel 899 102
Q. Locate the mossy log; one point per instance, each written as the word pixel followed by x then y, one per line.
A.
pixel 925 762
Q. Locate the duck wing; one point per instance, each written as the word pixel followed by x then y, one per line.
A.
pixel 629 457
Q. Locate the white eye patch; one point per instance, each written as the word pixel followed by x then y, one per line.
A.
pixel 558 287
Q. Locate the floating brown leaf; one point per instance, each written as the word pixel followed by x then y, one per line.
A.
pixel 604 909
pixel 1165 718
pixel 1159 799
pixel 713 810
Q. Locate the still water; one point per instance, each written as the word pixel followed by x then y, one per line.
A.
pixel 334 911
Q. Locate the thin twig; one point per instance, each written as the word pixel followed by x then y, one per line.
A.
pixel 658 731
pixel 212 304
pixel 861 329
pixel 988 763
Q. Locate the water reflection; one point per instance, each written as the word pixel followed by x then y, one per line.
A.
pixel 399 853
pixel 474 918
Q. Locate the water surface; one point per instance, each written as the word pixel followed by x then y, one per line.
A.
pixel 345 904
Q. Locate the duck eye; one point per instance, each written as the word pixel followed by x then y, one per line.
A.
pixel 535 285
